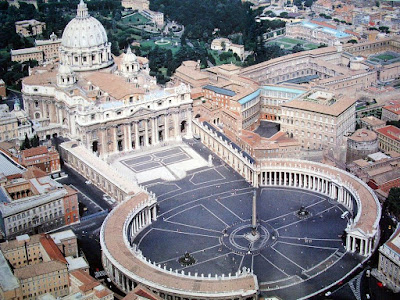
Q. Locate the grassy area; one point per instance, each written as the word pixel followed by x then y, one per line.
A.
pixel 135 19
pixel 385 56
pixel 218 61
pixel 171 45
pixel 289 43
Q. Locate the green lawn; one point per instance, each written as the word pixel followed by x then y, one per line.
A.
pixel 289 43
pixel 171 45
pixel 385 56
pixel 135 19
pixel 215 54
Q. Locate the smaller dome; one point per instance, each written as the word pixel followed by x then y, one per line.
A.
pixel 129 56
pixel 64 70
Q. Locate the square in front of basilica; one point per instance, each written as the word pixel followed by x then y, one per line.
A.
pixel 165 163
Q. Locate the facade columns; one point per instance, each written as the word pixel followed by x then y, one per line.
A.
pixel 115 144
pixel 137 144
pixel 166 128
pixel 153 131
pixel 129 137
pixel 176 124
pixel 146 133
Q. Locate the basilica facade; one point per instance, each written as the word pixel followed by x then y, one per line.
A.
pixel 109 104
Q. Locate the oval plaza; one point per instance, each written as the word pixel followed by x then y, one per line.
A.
pixel 127 266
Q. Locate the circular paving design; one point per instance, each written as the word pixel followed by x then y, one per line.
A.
pixel 241 238
pixel 287 250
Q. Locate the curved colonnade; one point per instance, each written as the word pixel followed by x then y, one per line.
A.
pixel 127 267
pixel 362 232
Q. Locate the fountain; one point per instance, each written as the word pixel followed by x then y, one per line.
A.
pixel 186 260
pixel 303 213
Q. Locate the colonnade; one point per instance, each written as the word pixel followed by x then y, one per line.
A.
pixel 313 182
pixel 363 245
pixel 329 185
pixel 142 219
pixel 235 158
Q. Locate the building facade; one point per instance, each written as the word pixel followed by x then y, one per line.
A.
pixel 14 125
pixel 115 108
pixel 389 138
pixel 37 265
pixel 389 262
pixel 28 28
pixel 33 202
pixel 42 157
pixel 319 119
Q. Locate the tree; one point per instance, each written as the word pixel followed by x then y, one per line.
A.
pixel 297 48
pixel 353 41
pixel 393 201
pixel 26 143
pixel 35 141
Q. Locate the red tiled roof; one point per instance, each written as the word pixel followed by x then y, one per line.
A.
pixel 34 172
pixel 390 131
pixel 34 151
pixel 394 108
pixel 323 24
pixel 51 248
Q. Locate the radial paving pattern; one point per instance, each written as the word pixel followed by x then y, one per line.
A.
pixel 208 214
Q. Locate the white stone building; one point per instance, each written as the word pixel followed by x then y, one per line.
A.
pixel 319 119
pixel 108 104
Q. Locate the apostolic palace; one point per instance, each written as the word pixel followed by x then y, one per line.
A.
pixel 106 105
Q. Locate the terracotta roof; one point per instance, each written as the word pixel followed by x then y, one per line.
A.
pixel 363 135
pixel 39 269
pixel 374 121
pixel 323 24
pixel 34 151
pixel 51 249
pixel 390 131
pixel 34 172
pixel 394 108
pixel 387 177
pixel 87 281
pixel 45 78
pixel 13 244
pixel 390 243
pixel 116 86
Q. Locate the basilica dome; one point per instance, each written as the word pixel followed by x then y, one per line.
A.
pixel 84 43
pixel 84 32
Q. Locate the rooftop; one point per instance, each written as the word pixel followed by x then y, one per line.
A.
pixel 76 263
pixel 58 237
pixel 219 90
pixel 8 166
pixel 30 271
pixel 390 131
pixel 8 281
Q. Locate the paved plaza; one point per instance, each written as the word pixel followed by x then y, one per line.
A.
pixel 208 214
pixel 166 163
